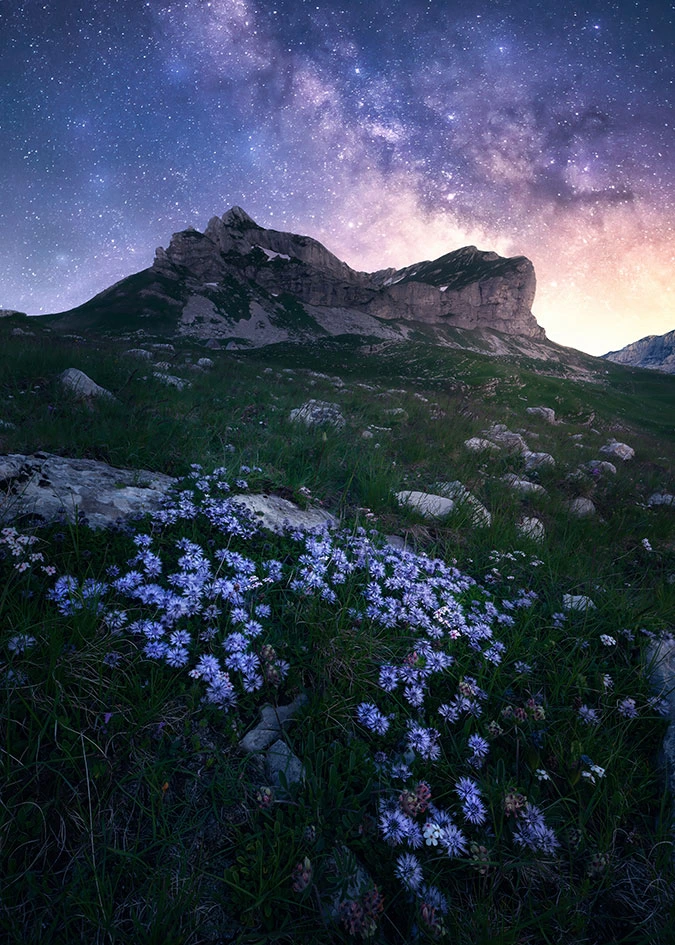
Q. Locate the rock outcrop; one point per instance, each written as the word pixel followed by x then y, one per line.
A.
pixel 655 352
pixel 241 283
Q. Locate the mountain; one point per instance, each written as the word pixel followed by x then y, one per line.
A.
pixel 247 286
pixel 656 352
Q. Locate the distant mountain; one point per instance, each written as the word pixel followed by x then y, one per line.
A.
pixel 243 285
pixel 656 352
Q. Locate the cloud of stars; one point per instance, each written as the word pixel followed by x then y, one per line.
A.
pixel 392 133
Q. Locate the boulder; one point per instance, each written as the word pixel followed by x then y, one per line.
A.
pixel 82 386
pixel 456 491
pixel 581 507
pixel 426 503
pixel 535 460
pixel 600 467
pixel 277 514
pixel 318 412
pixel 479 444
pixel 660 498
pixel 546 412
pixel 620 450
pixel 577 602
pixel 532 528
pixel 45 488
pixel 524 486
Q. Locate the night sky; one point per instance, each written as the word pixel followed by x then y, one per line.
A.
pixel 391 131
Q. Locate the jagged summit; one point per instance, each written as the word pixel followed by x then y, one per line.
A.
pixel 244 284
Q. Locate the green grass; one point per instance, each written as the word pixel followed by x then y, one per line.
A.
pixel 128 811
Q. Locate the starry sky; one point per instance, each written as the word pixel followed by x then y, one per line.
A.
pixel 391 130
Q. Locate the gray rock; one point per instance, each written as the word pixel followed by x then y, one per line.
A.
pixel 524 486
pixel 456 491
pixel 546 412
pixel 280 759
pixel 620 450
pixel 171 380
pixel 204 363
pixel 600 466
pixel 275 513
pixel 317 412
pixel 581 507
pixel 479 444
pixel 426 503
pixel 502 436
pixel 535 460
pixel 81 385
pixel 141 353
pixel 577 602
pixel 46 487
pixel 272 722
pixel 531 528
pixel 660 498
pixel 397 412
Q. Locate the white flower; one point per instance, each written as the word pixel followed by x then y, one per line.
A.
pixel 432 833
pixel 646 545
pixel 596 769
pixel 607 640
pixel 542 774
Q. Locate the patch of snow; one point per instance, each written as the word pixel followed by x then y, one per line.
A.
pixel 272 255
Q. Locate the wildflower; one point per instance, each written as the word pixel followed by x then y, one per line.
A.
pixel 646 545
pixel 264 797
pixel 424 741
pixel 480 858
pixel 607 681
pixel 302 875
pixel 522 668
pixel 542 774
pixel 597 865
pixel 514 804
pixel 597 770
pixel 474 811
pixel 453 840
pixel 588 716
pixel 394 826
pixel 467 789
pixel 371 717
pixel 409 871
pixel 360 916
pixel 20 642
pixel 607 639
pixel 480 748
pixel 431 833
pixel 627 708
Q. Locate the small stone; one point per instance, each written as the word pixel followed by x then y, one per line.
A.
pixel 577 602
pixel 478 444
pixel 523 486
pixel 531 528
pixel 502 436
pixel 427 504
pixel 272 721
pixel 171 380
pixel 317 412
pixel 581 507
pixel 204 363
pixel 546 412
pixel 81 385
pixel 600 466
pixel 620 450
pixel 462 497
pixel 535 460
pixel 397 412
pixel 141 353
pixel 280 759
pixel 661 498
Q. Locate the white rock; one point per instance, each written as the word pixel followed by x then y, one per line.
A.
pixel 600 466
pixel 661 498
pixel 275 513
pixel 426 503
pixel 581 507
pixel 204 363
pixel 80 384
pixel 478 445
pixel 577 602
pixel 523 486
pixel 141 353
pixel 462 497
pixel 546 412
pixel 171 380
pixel 620 450
pixel 531 528
pixel 535 460
pixel 501 435
pixel 315 412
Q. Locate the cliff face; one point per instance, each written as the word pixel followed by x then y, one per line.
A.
pixel 655 352
pixel 245 283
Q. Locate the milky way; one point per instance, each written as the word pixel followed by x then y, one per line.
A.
pixel 393 132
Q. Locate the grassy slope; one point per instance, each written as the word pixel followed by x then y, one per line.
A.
pixel 97 847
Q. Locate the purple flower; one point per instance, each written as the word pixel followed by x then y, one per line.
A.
pixel 627 708
pixel 371 717
pixel 409 871
pixel 588 715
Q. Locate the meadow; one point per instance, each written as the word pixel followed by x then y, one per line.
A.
pixel 479 764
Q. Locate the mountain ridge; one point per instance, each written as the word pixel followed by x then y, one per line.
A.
pixel 248 286
pixel 653 352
